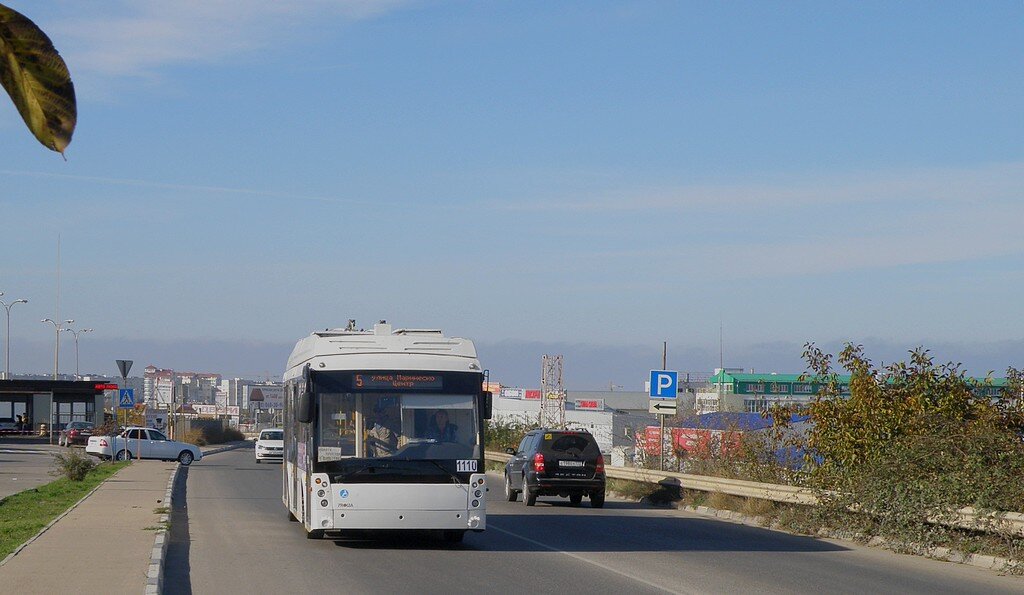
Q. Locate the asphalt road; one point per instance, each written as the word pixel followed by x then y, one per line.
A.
pixel 237 539
pixel 25 465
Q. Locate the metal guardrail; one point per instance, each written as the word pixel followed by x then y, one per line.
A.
pixel 968 518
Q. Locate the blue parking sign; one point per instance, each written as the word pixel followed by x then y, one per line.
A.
pixel 664 384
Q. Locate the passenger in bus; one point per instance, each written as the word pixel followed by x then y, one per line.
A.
pixel 382 438
pixel 440 429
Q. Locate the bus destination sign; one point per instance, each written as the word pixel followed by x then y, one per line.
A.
pixel 397 381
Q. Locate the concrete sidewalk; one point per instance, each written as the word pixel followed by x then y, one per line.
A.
pixel 103 545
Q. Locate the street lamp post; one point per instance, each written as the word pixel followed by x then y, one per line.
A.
pixel 76 333
pixel 57 328
pixel 7 340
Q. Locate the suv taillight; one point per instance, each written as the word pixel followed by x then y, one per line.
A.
pixel 600 464
pixel 72 433
pixel 538 463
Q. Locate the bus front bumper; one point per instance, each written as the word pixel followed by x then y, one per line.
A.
pixel 459 507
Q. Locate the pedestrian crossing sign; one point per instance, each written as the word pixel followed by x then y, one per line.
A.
pixel 126 398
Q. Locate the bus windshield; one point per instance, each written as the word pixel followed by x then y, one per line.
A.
pixel 397 426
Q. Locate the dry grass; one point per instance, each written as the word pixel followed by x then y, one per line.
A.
pixel 631 490
pixel 758 507
pixel 724 501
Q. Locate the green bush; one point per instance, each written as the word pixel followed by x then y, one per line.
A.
pixel 72 465
pixel 233 435
pixel 195 436
pixel 910 445
pixel 747 455
pixel 212 433
pixel 107 428
pixel 499 435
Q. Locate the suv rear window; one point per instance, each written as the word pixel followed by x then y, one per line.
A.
pixel 571 443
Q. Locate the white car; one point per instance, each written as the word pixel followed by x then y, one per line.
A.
pixel 142 443
pixel 270 445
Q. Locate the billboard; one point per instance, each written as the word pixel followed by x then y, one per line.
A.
pixel 513 393
pixel 531 395
pixel 216 410
pixel 266 396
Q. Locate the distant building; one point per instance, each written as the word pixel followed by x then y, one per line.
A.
pixel 611 416
pixel 163 387
pixel 730 391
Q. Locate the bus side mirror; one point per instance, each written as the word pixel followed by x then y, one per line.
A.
pixel 487 402
pixel 306 403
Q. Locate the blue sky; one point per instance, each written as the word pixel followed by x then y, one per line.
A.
pixel 591 177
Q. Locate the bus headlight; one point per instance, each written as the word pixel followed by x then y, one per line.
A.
pixel 477 493
pixel 323 503
pixel 321 493
pixel 476 503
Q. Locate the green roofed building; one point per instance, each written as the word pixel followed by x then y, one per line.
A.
pixel 736 391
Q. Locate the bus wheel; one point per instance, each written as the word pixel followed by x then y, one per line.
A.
pixel 315 534
pixel 454 536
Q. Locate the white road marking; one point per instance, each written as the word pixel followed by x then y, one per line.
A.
pixel 490 526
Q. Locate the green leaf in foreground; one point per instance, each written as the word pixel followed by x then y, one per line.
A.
pixel 36 78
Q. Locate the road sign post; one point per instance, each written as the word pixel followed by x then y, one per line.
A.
pixel 662 407
pixel 123 366
pixel 664 387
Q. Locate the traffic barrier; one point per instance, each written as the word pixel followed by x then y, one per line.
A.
pixel 967 518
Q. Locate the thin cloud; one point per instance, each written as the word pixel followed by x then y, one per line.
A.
pixel 138 39
pixel 965 233
pixel 951 185
pixel 190 187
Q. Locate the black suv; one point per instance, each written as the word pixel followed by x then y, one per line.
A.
pixel 556 463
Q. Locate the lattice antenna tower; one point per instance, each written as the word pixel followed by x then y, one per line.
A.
pixel 552 405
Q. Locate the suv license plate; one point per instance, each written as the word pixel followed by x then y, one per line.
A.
pixel 570 463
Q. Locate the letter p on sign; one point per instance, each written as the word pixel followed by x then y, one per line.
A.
pixel 664 384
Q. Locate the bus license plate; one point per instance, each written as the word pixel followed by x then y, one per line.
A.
pixel 466 465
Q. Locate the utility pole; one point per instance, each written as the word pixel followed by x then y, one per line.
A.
pixel 661 418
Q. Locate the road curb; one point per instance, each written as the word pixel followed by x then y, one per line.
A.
pixel 939 553
pixel 155 574
pixel 226 448
pixel 53 522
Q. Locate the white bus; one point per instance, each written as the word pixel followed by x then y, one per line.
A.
pixel 383 429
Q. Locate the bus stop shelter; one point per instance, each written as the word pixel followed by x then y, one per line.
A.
pixel 53 403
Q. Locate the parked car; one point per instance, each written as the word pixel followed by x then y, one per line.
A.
pixel 142 443
pixel 76 432
pixel 270 445
pixel 550 462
